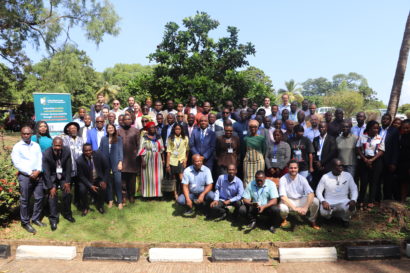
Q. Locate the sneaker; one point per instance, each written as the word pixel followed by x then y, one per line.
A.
pixel 272 229
pixel 252 225
pixel 189 213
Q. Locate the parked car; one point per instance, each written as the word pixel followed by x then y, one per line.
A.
pixel 323 110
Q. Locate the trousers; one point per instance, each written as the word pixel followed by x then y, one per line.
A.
pixel 29 188
pixel 66 204
pixel 313 208
pixel 98 196
pixel 251 213
pixel 340 210
pixel 221 208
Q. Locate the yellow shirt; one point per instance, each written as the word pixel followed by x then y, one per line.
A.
pixel 178 149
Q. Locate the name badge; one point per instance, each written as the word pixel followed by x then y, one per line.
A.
pixel 274 160
pixel 175 153
pixel 298 152
pixel 230 151
pixel 245 132
pixel 59 170
pixel 318 153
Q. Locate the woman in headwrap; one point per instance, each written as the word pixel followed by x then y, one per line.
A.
pixel 152 158
pixel 255 147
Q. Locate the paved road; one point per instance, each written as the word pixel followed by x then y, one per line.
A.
pixel 76 265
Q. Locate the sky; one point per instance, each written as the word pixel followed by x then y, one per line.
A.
pixel 294 39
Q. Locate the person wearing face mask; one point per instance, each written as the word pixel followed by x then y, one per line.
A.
pixel 337 193
pixel 130 165
pixel 370 148
pixel 27 159
pixel 42 135
pixel 57 174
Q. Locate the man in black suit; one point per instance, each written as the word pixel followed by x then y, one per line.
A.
pixel 325 150
pixel 57 173
pixel 166 131
pixel 212 126
pixel 180 121
pixel 93 172
pixel 390 135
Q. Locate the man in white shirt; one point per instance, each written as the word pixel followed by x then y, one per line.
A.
pixel 225 116
pixel 340 193
pixel 116 110
pixel 266 106
pixel 296 195
pixel 285 103
pixel 27 159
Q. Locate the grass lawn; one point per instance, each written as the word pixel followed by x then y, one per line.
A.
pixel 161 221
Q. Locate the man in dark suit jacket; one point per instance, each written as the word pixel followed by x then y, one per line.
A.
pixel 390 135
pixel 93 173
pixel 101 104
pixel 180 121
pixel 57 173
pixel 325 149
pixel 203 141
pixel 95 135
pixel 167 129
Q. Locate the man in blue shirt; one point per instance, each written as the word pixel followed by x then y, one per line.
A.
pixel 228 192
pixel 358 129
pixel 196 185
pixel 27 159
pixel 260 198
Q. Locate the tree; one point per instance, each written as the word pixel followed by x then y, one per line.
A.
pixel 400 70
pixel 404 108
pixel 68 71
pixel 258 85
pixel 8 85
pixel 350 101
pixel 316 87
pixel 48 23
pixel 121 74
pixel 192 63
pixel 352 81
pixel 291 87
pixel 109 91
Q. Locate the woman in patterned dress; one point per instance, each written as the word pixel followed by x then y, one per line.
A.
pixel 151 152
pixel 255 146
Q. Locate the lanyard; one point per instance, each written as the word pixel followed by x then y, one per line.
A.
pixel 275 149
pixel 177 144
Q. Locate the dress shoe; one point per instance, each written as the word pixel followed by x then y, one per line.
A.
pixel 101 210
pixel 84 212
pixel 70 219
pixel 53 226
pixel 39 223
pixel 272 229
pixel 189 213
pixel 221 218
pixel 315 226
pixel 252 225
pixel 345 224
pixel 29 228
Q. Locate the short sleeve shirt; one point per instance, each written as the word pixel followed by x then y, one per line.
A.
pixel 370 146
pixel 294 189
pixel 261 195
pixel 197 180
pixel 301 148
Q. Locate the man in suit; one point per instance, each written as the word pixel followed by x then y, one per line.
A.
pixel 390 135
pixel 191 124
pixel 87 127
pixel 93 172
pixel 96 112
pixel 202 142
pixel 57 174
pixel 166 131
pixel 211 123
pixel 325 150
pixel 94 135
pixel 100 101
pixel 180 121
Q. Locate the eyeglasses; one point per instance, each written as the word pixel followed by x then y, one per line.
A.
pixel 116 103
pixel 144 120
pixel 99 121
pixel 225 112
pixel 180 116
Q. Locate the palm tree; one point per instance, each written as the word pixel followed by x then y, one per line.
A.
pixel 400 71
pixel 293 90
pixel 109 91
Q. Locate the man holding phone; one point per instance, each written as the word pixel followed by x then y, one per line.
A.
pixel 260 198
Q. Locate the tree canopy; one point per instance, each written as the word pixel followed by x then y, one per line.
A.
pixel 48 24
pixel 190 62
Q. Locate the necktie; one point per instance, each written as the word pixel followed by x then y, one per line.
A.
pixel 202 136
pixel 59 175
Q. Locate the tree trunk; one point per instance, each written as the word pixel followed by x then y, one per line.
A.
pixel 400 71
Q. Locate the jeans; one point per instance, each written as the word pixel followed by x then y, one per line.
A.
pixel 209 197
pixel 116 184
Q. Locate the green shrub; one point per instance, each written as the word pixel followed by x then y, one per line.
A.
pixel 9 189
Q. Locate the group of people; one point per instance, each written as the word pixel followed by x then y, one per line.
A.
pixel 266 160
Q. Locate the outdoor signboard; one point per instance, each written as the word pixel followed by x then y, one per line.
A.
pixel 54 108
